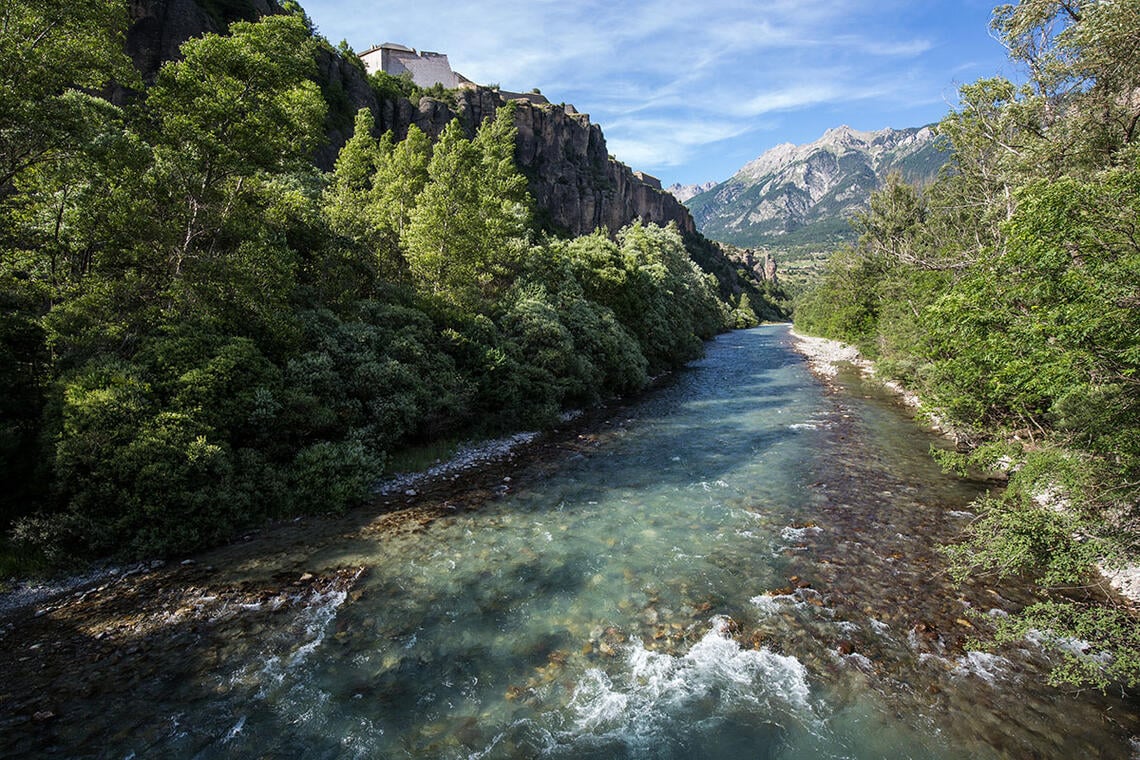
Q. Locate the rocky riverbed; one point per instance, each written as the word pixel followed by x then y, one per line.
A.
pixel 61 637
pixel 826 357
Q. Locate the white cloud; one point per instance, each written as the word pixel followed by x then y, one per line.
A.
pixel 666 77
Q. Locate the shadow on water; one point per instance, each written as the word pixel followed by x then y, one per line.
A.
pixel 112 686
pixel 739 565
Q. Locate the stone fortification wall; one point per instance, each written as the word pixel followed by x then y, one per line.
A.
pixel 426 68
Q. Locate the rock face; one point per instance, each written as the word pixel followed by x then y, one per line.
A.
pixel 805 193
pixel 576 185
pixel 159 27
pixel 346 91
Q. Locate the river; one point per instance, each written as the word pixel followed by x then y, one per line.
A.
pixel 742 565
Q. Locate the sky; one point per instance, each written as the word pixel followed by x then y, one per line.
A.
pixel 691 90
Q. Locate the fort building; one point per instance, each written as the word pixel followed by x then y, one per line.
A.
pixel 427 68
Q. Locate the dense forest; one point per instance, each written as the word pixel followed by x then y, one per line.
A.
pixel 200 330
pixel 1007 293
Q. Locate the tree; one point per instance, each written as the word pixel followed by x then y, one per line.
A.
pixel 56 207
pixel 401 175
pixel 231 118
pixel 347 194
pixel 470 224
pixel 53 52
pixel 235 109
pixel 1080 55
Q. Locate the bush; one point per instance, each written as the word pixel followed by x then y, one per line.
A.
pixel 333 477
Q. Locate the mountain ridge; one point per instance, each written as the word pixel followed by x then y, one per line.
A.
pixel 797 194
pixel 685 192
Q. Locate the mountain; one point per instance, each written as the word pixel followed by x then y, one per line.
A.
pixel 804 194
pixel 685 192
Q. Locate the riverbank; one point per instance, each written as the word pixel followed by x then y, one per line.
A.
pixel 478 472
pixel 825 358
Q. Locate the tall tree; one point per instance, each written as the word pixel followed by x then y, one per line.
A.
pixel 373 190
pixel 235 112
pixel 469 228
pixel 50 50
pixel 55 137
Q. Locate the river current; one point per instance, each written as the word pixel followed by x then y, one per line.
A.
pixel 745 564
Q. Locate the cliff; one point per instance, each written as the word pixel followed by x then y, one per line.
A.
pixel 576 185
pixel 159 27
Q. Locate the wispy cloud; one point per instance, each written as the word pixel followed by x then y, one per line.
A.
pixel 673 140
pixel 672 80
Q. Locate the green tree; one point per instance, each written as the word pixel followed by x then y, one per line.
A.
pixel 234 111
pixel 373 189
pixel 468 231
pixel 58 203
pixel 401 175
pixel 50 51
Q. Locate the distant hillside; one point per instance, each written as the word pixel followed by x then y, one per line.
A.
pixel 685 192
pixel 804 194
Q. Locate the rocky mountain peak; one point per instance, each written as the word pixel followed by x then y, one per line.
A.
pixel 805 193
pixel 685 192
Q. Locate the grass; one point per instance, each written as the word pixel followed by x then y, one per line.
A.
pixel 19 562
pixel 420 457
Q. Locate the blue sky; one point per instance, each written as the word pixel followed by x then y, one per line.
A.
pixel 691 90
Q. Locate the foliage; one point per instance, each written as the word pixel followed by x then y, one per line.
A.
pixel 391 87
pixel 471 222
pixel 200 331
pixel 51 51
pixel 1006 295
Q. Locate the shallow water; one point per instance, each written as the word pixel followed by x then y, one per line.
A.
pixel 743 565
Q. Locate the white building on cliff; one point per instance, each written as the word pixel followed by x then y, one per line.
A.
pixel 427 68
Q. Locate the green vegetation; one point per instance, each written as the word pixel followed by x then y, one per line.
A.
pixel 391 87
pixel 200 331
pixel 1006 294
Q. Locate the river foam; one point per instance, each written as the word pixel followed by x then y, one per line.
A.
pixel 658 696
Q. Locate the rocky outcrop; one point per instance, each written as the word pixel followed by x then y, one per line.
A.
pixel 805 193
pixel 574 179
pixel 346 91
pixel 576 185
pixel 159 27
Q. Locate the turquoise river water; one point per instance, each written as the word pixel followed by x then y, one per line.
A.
pixel 743 565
